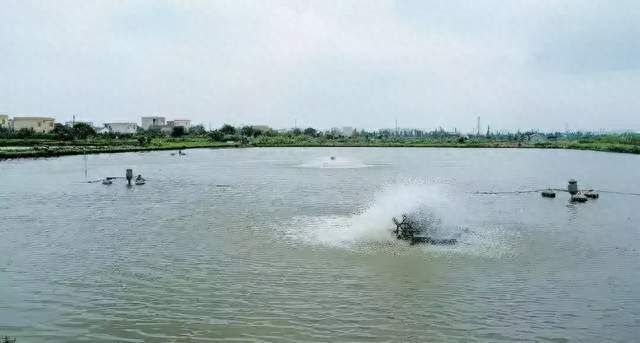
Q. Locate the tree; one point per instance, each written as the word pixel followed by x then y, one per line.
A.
pixel 61 132
pixel 248 131
pixel 296 131
pixel 197 130
pixel 216 135
pixel 310 132
pixel 82 131
pixel 178 131
pixel 227 129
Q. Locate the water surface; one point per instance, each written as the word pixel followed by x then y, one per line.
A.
pixel 288 245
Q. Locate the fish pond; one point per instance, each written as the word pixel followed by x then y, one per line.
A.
pixel 292 245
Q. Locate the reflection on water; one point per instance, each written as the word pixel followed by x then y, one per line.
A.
pixel 245 245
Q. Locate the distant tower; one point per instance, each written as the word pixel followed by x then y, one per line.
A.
pixel 396 127
pixel 478 127
pixel 488 130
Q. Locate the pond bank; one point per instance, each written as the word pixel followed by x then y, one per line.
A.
pixel 35 150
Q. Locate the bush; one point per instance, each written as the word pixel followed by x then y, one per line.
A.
pixel 178 131
pixel 25 133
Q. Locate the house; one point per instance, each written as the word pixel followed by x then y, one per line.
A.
pixel 37 124
pixel 186 123
pixel 4 120
pixel 122 128
pixel 153 122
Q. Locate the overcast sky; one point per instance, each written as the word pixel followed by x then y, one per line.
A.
pixel 517 64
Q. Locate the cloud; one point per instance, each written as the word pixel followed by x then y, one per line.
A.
pixel 325 63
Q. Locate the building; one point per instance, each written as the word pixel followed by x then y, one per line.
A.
pixel 37 124
pixel 122 128
pixel 347 131
pixel 186 123
pixel 4 120
pixel 261 128
pixel 153 122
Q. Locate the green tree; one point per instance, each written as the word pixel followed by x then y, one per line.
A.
pixel 227 129
pixel 310 132
pixel 178 131
pixel 248 131
pixel 82 131
pixel 216 135
pixel 197 130
pixel 61 132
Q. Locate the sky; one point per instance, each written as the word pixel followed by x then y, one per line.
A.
pixel 538 64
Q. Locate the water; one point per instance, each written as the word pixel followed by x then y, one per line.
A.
pixel 287 245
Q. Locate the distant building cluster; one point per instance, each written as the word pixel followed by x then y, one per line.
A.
pixel 345 131
pixel 37 124
pixel 47 124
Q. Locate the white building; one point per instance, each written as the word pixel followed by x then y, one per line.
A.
pixel 37 124
pixel 186 123
pixel 122 128
pixel 347 131
pixel 153 122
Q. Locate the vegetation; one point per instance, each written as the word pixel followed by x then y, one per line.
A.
pixel 82 138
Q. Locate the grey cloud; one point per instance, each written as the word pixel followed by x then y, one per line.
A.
pixel 517 64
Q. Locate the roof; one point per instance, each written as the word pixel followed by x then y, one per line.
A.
pixel 33 118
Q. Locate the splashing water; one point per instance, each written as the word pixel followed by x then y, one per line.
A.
pixel 372 226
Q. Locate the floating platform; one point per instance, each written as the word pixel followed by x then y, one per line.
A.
pixel 548 194
pixel 579 197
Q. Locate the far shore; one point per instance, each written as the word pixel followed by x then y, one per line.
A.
pixel 53 149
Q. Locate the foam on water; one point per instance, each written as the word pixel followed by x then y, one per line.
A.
pixel 371 226
pixel 333 163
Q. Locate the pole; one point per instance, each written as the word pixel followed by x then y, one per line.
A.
pixel 84 150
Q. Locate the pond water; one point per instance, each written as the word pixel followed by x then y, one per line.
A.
pixel 291 245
